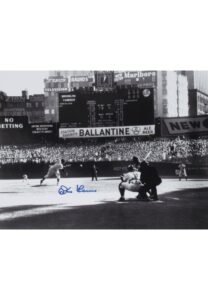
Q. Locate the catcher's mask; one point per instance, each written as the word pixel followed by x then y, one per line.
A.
pixel 130 168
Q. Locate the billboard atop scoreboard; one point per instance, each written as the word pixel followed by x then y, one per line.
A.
pixel 56 84
pixel 104 80
pixel 140 79
pixel 81 82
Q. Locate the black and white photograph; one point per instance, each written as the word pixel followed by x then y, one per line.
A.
pixel 103 149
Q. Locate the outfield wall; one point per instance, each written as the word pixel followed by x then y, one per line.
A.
pixel 105 169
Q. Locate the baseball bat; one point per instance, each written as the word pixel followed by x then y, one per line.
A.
pixel 148 154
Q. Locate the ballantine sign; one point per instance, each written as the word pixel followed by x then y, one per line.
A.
pixel 106 131
pixel 187 124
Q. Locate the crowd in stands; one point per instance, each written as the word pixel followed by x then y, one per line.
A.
pixel 163 149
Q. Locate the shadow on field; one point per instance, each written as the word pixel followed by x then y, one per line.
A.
pixel 109 178
pixel 21 208
pixel 182 209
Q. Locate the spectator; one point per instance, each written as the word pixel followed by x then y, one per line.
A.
pixel 162 149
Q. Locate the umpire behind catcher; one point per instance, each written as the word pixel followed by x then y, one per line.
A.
pixel 150 180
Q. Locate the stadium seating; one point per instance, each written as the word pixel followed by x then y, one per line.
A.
pixel 163 149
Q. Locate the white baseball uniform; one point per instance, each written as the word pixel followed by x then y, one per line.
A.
pixel 54 170
pixel 131 181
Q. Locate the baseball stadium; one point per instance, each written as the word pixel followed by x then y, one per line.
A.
pixel 69 174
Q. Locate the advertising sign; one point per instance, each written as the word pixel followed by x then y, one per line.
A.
pixel 96 132
pixel 81 82
pixel 54 80
pixel 59 89
pixel 104 79
pixel 80 79
pixel 56 85
pixel 37 129
pixel 186 124
pixel 139 78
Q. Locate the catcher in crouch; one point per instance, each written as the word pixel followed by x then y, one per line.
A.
pixel 129 181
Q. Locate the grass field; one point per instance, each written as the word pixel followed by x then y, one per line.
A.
pixel 183 205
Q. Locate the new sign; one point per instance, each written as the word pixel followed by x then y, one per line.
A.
pixel 187 124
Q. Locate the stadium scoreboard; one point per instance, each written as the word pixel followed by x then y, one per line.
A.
pixel 105 109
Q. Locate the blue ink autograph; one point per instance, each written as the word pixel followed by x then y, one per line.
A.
pixel 64 190
pixel 79 189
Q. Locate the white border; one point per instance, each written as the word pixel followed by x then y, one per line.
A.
pixel 109 35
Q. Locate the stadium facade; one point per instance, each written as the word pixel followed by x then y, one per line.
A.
pixel 172 94
pixel 31 107
pixel 176 93
pixel 56 82
pixel 198 92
